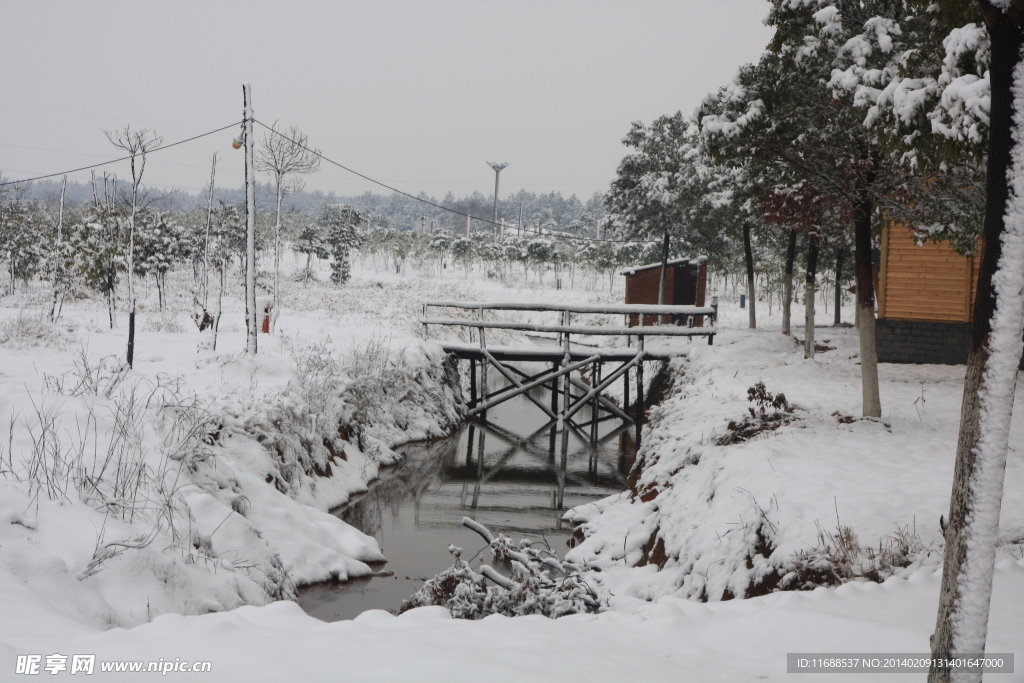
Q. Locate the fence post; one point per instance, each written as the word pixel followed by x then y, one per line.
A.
pixel 714 320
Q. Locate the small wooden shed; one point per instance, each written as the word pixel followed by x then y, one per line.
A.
pixel 685 285
pixel 925 300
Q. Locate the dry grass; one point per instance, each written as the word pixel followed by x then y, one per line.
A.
pixel 28 330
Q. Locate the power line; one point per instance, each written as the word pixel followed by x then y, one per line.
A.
pixel 330 161
pixel 114 161
pixel 430 203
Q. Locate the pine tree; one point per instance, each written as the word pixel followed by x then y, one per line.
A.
pixel 341 232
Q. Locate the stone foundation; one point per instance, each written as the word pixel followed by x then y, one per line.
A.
pixel 917 341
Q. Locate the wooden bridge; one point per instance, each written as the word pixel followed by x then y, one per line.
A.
pixel 564 357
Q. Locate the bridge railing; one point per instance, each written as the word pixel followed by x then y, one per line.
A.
pixel 685 316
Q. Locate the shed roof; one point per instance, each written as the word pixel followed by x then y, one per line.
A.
pixel 673 262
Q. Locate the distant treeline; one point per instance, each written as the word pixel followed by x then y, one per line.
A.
pixel 550 211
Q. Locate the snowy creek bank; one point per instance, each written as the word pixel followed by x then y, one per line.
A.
pixel 506 473
pixel 198 481
pixel 726 503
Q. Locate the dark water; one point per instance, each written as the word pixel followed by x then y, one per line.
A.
pixel 508 473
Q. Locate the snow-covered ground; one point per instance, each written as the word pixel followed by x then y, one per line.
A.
pixel 234 507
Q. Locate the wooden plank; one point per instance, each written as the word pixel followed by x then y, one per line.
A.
pixel 608 309
pixel 954 303
pixel 597 330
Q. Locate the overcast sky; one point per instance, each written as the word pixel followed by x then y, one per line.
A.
pixel 417 94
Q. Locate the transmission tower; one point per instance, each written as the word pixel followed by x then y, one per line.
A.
pixel 497 174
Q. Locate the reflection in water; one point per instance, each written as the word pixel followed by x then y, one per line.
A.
pixel 509 473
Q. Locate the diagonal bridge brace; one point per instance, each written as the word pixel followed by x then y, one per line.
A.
pixel 605 403
pixel 596 391
pixel 543 379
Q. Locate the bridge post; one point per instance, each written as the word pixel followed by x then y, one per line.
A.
pixel 625 391
pixel 483 372
pixel 595 410
pixel 714 321
pixel 472 382
pixel 554 389
pixel 639 391
pixel 566 391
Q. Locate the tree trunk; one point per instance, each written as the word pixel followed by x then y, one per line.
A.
pixel 58 252
pixel 160 289
pixel 787 283
pixel 111 306
pixel 206 245
pixel 748 256
pixel 872 404
pixel 277 249
pixel 839 292
pixel 220 299
pixel 250 229
pixel 995 351
pixel 661 279
pixel 136 179
pixel 809 281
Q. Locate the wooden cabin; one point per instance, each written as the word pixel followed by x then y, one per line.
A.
pixel 925 300
pixel 685 285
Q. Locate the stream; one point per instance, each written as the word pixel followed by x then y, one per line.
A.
pixel 507 473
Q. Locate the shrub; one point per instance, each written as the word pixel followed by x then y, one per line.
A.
pixel 538 583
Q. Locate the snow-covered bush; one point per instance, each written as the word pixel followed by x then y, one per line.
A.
pixel 537 583
pixel 773 411
pixel 839 557
pixel 164 321
pixel 27 330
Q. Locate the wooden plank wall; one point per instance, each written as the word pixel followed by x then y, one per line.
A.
pixel 685 284
pixel 642 288
pixel 926 282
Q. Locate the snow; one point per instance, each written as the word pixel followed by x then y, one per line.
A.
pixel 243 541
pixel 669 640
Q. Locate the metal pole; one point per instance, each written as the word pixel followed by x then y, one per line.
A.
pixel 250 227
pixel 519 229
pixel 661 280
pixel 497 174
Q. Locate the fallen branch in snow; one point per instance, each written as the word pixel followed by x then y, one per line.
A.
pixel 538 583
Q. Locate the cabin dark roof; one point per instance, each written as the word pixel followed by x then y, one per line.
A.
pixel 673 262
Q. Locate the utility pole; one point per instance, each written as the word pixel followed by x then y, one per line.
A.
pixel 467 226
pixel 250 226
pixel 519 228
pixel 497 174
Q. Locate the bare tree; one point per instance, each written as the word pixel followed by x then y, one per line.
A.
pixel 206 242
pixel 58 251
pixel 283 153
pixel 137 143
